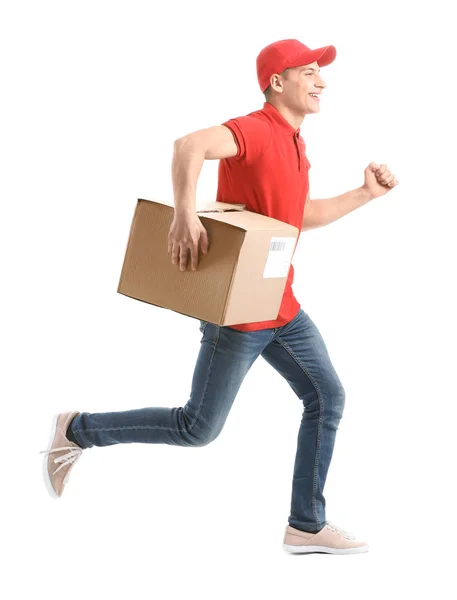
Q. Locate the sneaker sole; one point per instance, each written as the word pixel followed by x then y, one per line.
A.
pixel 46 477
pixel 325 549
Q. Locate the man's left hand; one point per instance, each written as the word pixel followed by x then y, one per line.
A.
pixel 378 180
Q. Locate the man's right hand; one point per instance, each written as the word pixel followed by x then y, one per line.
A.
pixel 185 233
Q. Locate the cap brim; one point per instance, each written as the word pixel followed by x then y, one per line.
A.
pixel 325 55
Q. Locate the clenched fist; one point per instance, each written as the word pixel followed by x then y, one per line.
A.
pixel 378 180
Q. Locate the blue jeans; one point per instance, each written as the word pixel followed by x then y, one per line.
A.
pixel 297 351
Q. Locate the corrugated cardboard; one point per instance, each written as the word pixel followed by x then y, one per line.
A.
pixel 240 280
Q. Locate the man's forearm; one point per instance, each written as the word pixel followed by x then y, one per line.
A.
pixel 185 169
pixel 323 212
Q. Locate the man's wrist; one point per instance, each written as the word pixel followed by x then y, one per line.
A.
pixel 365 194
pixel 184 211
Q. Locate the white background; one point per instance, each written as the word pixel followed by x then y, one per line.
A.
pixel 93 96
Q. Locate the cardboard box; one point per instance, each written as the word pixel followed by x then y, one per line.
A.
pixel 240 280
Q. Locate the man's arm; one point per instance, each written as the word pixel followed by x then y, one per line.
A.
pixel 322 212
pixel 189 154
pixel 186 231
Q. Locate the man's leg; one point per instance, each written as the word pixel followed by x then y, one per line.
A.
pixel 225 357
pixel 298 352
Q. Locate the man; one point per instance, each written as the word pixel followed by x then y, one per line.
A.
pixel 263 165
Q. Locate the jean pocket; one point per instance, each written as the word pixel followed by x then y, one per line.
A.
pixel 203 325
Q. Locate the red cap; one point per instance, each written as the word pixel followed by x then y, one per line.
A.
pixel 289 53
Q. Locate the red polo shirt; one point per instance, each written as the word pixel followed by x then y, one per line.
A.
pixel 269 175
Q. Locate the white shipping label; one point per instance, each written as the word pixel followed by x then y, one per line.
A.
pixel 279 257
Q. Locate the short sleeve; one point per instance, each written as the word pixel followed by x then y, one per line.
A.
pixel 251 135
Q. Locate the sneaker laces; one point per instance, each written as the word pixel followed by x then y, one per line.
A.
pixel 66 459
pixel 348 535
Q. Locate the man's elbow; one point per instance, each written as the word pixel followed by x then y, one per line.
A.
pixel 186 147
pixel 182 141
pixel 215 142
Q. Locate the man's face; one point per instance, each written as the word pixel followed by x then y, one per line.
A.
pixel 301 82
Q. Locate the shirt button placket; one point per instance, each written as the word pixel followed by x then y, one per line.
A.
pixel 296 136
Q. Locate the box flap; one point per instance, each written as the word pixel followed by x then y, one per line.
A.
pixel 208 207
pixel 220 207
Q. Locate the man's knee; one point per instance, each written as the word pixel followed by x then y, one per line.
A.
pixel 337 401
pixel 197 430
pixel 204 438
pixel 202 433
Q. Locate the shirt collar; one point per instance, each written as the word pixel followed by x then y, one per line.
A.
pixel 279 119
